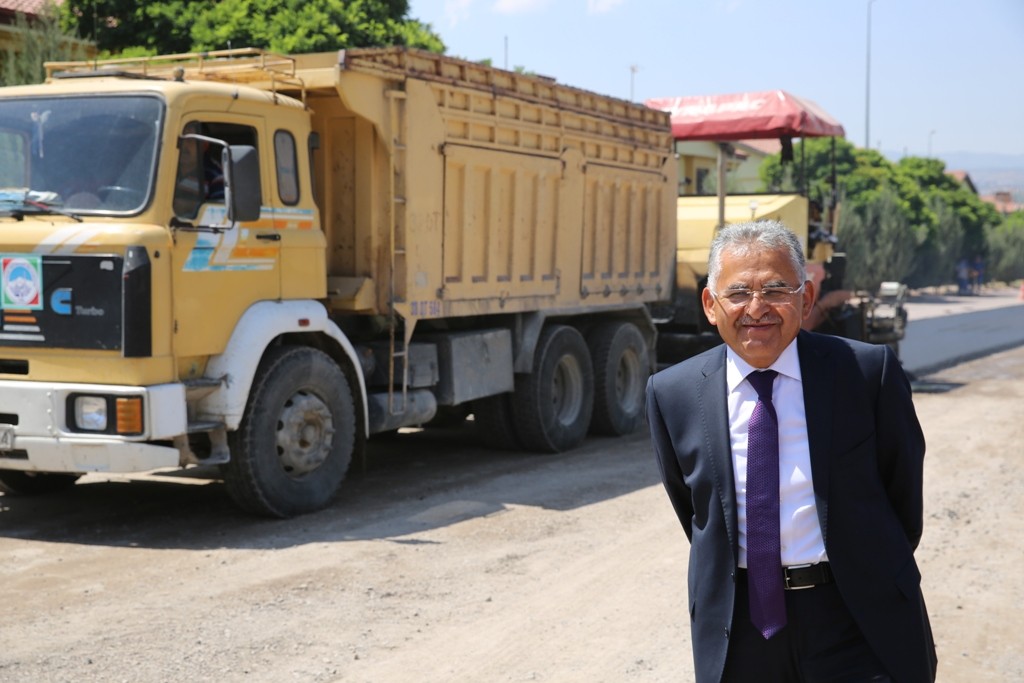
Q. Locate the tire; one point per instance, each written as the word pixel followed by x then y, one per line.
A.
pixel 294 445
pixel 553 404
pixel 621 368
pixel 495 422
pixel 19 483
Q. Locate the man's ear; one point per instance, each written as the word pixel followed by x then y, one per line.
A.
pixel 809 297
pixel 709 306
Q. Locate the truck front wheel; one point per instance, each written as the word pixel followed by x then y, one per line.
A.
pixel 293 447
pixel 553 404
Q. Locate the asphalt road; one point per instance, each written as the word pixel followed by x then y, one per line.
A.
pixel 944 329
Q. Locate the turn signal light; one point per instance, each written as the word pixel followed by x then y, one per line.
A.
pixel 129 415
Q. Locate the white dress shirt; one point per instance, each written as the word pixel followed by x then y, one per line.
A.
pixel 798 518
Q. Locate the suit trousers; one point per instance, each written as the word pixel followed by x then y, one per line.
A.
pixel 819 644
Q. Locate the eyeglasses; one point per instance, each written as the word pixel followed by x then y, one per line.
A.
pixel 769 295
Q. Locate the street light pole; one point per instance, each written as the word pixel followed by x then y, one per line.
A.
pixel 633 68
pixel 867 86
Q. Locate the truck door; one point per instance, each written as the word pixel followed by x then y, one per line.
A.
pixel 295 220
pixel 220 269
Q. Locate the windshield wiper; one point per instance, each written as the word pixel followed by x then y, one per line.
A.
pixel 21 202
pixel 29 207
pixel 52 210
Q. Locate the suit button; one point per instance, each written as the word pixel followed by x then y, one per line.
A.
pixel 726 629
pixel 732 575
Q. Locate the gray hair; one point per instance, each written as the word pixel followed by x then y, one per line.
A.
pixel 752 237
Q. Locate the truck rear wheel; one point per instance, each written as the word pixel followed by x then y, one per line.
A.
pixel 553 404
pixel 621 368
pixel 292 450
pixel 19 483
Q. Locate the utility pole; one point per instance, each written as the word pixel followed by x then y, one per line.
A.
pixel 867 86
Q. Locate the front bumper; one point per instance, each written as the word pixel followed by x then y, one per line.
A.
pixel 43 442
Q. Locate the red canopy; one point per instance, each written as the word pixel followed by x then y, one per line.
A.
pixel 746 116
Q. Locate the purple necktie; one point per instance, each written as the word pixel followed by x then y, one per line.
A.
pixel 764 558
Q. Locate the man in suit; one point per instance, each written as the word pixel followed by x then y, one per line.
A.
pixel 837 592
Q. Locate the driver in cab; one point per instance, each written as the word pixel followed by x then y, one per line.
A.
pixel 200 178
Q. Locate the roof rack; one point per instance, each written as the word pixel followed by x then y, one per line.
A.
pixel 248 65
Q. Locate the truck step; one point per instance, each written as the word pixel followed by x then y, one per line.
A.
pixel 200 387
pixel 204 426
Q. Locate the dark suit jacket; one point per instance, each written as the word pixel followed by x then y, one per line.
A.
pixel 866 450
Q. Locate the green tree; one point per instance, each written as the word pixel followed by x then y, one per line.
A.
pixel 1006 249
pixel 924 181
pixel 878 240
pixel 131 28
pixel 811 163
pixel 947 220
pixel 936 257
pixel 291 26
pixel 38 41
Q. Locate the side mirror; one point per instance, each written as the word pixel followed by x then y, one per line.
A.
pixel 242 193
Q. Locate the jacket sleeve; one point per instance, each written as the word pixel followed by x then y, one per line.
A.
pixel 901 447
pixel 679 493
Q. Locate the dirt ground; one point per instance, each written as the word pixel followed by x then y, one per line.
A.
pixel 447 562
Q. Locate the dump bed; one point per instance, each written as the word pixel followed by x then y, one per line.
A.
pixel 461 189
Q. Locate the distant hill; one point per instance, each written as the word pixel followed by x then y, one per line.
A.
pixel 997 180
pixel 989 172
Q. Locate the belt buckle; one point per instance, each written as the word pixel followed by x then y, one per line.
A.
pixel 785 577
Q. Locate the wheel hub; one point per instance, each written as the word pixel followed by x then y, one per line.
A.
pixel 305 433
pixel 566 390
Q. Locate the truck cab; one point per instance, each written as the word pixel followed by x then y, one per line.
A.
pixel 127 263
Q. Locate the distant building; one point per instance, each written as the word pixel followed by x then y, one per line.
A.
pixel 698 162
pixel 30 8
pixel 1004 202
pixel 964 178
pixel 9 11
pixel 11 35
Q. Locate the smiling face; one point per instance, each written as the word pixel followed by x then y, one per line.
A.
pixel 758 331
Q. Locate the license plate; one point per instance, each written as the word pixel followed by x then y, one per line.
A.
pixel 6 437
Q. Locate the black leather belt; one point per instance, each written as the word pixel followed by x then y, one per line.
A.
pixel 806 576
pixel 802 576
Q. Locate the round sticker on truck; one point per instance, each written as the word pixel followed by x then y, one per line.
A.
pixel 22 282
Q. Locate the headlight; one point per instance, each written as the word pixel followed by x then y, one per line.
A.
pixel 91 413
pixel 101 414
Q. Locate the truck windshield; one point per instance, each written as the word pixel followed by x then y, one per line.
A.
pixel 78 155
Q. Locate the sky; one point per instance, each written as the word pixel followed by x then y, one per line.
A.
pixel 946 76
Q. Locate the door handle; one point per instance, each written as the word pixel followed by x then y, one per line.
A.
pixel 272 236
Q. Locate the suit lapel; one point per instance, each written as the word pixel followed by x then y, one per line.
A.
pixel 818 372
pixel 715 419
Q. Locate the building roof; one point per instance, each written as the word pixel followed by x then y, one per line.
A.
pixel 27 6
pixel 964 178
pixel 32 7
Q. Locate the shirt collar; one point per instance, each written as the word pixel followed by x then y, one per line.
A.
pixel 737 369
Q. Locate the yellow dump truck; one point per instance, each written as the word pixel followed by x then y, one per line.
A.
pixel 258 261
